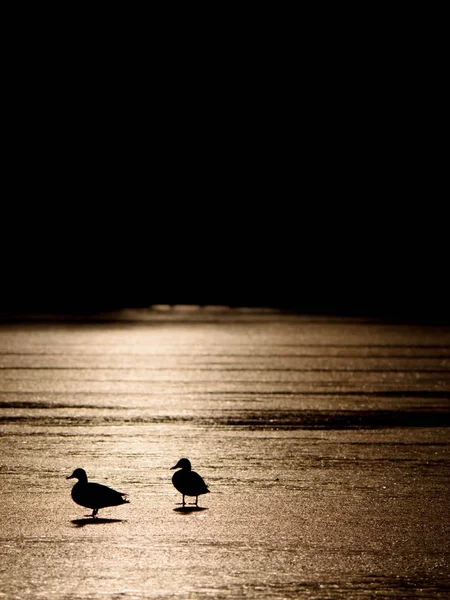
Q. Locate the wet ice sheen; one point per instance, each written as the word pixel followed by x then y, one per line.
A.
pixel 325 445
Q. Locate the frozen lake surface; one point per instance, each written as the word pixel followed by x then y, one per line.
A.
pixel 325 444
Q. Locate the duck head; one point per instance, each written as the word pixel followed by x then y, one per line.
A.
pixel 79 474
pixel 183 463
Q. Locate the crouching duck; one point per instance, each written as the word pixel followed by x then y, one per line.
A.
pixel 188 482
pixel 94 495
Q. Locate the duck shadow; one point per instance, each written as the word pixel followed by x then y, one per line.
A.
pixel 97 521
pixel 189 509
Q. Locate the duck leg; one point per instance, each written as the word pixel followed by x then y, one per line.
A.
pixel 184 503
pixel 94 513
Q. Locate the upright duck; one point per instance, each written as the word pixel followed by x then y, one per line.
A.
pixel 94 495
pixel 188 482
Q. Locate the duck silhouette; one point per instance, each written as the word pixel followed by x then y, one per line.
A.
pixel 94 495
pixel 188 482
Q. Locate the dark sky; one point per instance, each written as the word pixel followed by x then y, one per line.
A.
pixel 84 257
pixel 314 188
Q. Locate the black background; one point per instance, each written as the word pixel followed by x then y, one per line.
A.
pixel 300 171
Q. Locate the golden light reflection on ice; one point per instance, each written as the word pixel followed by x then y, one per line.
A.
pixel 314 492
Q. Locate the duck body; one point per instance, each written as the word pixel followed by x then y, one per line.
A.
pixel 188 482
pixel 94 495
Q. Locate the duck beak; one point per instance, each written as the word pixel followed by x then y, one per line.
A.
pixel 69 477
pixel 174 467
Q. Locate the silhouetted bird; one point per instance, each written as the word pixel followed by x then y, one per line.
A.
pixel 94 495
pixel 188 482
